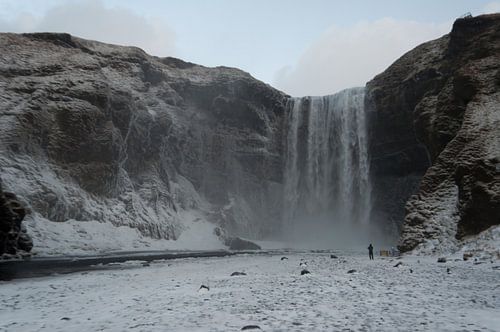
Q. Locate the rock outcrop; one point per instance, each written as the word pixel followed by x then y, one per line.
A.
pixel 13 236
pixel 439 106
pixel 91 131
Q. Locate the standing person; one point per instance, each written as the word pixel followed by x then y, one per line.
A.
pixel 370 251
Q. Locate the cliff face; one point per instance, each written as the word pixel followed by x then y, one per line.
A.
pixel 97 132
pixel 91 131
pixel 439 105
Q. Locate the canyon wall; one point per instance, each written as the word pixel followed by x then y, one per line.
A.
pixel 91 131
pixel 439 106
pixel 108 134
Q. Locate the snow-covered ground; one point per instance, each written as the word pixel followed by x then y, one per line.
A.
pixel 74 237
pixel 165 296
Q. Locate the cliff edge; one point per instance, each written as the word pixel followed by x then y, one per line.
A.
pixel 439 106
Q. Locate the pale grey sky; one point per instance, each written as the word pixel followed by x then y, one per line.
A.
pixel 312 47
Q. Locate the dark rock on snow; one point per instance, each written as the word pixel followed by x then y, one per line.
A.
pixel 304 272
pixel 250 327
pixel 351 271
pixel 284 258
pixel 237 243
pixel 467 256
pixel 441 260
pixel 234 274
pixel 203 287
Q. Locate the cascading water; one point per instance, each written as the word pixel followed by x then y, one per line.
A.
pixel 327 187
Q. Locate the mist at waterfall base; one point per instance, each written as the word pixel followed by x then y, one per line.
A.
pixel 327 192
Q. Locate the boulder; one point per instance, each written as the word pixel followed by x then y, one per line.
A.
pixel 250 327
pixel 236 243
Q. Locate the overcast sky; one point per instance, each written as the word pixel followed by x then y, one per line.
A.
pixel 312 47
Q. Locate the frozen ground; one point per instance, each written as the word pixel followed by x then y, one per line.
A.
pixel 165 296
pixel 92 237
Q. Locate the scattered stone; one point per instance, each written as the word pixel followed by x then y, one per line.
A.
pixel 467 256
pixel 203 288
pixel 442 260
pixel 333 256
pixel 283 258
pixel 236 243
pixel 65 318
pixel 238 274
pixel 250 327
pixel 411 270
pixel 304 272
pixel 448 270
pixel 398 264
pixel 351 271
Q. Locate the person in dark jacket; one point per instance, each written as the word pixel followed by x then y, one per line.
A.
pixel 370 251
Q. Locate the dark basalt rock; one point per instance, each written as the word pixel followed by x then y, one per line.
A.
pixel 236 243
pixel 434 136
pixel 303 272
pixel 235 274
pixel 13 236
pixel 250 327
pixel 203 288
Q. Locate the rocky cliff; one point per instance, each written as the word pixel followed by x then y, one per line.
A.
pixel 91 131
pixel 95 134
pixel 439 106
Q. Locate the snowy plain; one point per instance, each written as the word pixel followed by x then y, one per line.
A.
pixel 418 295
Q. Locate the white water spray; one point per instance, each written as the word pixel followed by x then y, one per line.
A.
pixel 327 187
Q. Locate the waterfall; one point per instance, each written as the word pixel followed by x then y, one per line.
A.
pixel 326 176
